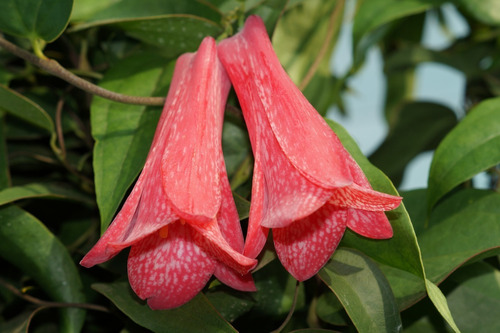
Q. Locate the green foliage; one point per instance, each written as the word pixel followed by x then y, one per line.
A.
pixel 68 159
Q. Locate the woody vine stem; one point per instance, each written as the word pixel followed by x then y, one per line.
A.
pixel 54 68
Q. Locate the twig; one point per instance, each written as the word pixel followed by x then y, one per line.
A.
pixel 324 48
pixel 54 68
pixel 47 304
pixel 292 309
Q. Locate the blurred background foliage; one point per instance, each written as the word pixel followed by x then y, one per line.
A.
pixel 68 158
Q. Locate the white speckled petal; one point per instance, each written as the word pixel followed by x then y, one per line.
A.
pixel 264 87
pixel 190 160
pixel 369 224
pixel 306 245
pixel 230 227
pixel 355 196
pixel 170 271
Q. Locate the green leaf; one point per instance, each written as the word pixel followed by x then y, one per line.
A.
pixel 269 10
pixel 301 33
pixel 485 11
pixel 198 315
pixel 35 19
pixel 29 245
pixel 419 127
pixel 4 163
pixel 473 146
pixel 95 12
pixel 235 145
pixel 229 303
pixel 330 310
pixel 440 303
pixel 23 108
pixel 463 226
pixel 175 34
pixel 123 133
pixel 476 299
pixel 363 290
pixel 374 14
pixel 42 190
pixel 399 257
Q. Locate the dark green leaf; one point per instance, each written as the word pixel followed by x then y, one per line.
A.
pixel 269 10
pixel 41 190
pixel 363 290
pixel 235 145
pixel 473 146
pixel 4 164
pixel 23 108
pixel 122 132
pixel 29 245
pixel 420 126
pixel 330 310
pixel 229 303
pixel 460 228
pixel 198 315
pixel 175 34
pixel 33 19
pixel 476 299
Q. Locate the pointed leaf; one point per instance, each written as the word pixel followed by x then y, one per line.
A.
pixel 23 108
pixel 196 316
pixel 440 303
pixel 45 19
pixel 29 245
pixel 363 290
pixel 473 146
pixel 123 133
pixel 41 190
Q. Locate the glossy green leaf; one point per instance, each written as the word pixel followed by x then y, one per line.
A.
pixel 42 190
pixel 123 132
pixel 235 145
pixel 473 146
pixel 363 290
pixel 399 256
pixel 23 108
pixel 29 245
pixel 486 11
pixel 476 299
pixel 462 227
pixel 33 19
pixel 420 127
pixel 198 315
pixel 269 10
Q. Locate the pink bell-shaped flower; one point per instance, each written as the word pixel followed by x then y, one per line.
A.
pixel 180 218
pixel 306 186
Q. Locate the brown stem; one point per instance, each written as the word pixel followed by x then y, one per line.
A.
pixel 43 303
pixel 54 68
pixel 324 48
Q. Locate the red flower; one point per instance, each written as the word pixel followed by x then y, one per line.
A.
pixel 306 186
pixel 180 218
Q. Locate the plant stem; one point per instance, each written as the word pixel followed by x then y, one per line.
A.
pixel 54 68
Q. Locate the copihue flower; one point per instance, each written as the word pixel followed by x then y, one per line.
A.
pixel 306 186
pixel 180 219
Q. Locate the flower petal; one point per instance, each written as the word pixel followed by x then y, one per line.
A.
pixel 230 227
pixel 355 196
pixel 369 224
pixel 210 238
pixel 169 271
pixel 306 245
pixel 190 160
pixel 263 87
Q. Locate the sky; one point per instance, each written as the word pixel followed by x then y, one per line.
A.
pixel 364 101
